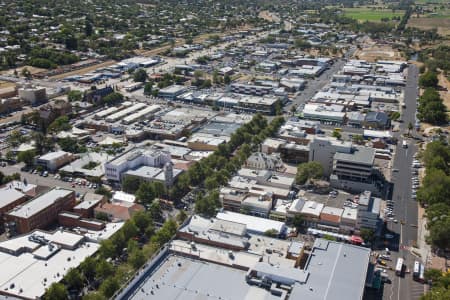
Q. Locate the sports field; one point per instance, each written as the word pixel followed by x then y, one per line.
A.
pixel 363 14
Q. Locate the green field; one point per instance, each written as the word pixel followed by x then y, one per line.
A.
pixel 368 14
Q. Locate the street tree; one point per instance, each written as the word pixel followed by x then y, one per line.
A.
pixel 27 157
pixel 73 279
pixel 56 291
pixel 140 75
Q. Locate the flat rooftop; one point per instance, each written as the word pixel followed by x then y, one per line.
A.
pixel 183 278
pixel 360 155
pixel 336 271
pixel 40 203
pixel 8 196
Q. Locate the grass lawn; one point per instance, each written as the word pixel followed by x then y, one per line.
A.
pixel 375 15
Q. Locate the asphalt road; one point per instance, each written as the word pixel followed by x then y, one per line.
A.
pixel 314 85
pixel 405 208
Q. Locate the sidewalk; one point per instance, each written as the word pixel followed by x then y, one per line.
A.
pixel 423 248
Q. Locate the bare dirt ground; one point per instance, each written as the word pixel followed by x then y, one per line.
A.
pixel 6 84
pixel 373 53
pixel 85 70
pixel 33 70
pixel 441 24
pixel 267 15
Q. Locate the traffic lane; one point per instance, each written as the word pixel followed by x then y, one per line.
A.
pixel 313 86
pixel 404 208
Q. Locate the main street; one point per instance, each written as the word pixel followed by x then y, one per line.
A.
pixel 405 208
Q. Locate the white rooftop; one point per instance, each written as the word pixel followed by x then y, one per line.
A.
pixel 40 203
pixel 254 224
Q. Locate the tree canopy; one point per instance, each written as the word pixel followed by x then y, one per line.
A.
pixel 307 171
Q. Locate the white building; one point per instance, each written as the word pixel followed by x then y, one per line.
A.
pixel 54 160
pixel 322 150
pixel 32 94
pixel 133 159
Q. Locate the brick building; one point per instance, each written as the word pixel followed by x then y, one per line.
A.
pixel 41 211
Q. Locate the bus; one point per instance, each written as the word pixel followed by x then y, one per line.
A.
pixel 422 274
pixel 416 270
pixel 399 267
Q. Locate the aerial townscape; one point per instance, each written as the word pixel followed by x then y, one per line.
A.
pixel 225 149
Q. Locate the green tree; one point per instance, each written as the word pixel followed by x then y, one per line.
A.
pixel 148 88
pixel 181 216
pixel 142 220
pixel 226 79
pixel 107 249
pixel 74 279
pixel 155 211
pixel 307 171
pixel 75 95
pixel 27 157
pixel 26 73
pixel 140 75
pixel 129 230
pixel 298 222
pixel 428 79
pixel 94 296
pixel 60 124
pixel 159 189
pixel 131 184
pixel 109 286
pixel 113 98
pixel 103 269
pixel 87 267
pixel 271 233
pixel 137 258
pixel 358 139
pixel 336 134
pixel 367 234
pixel 56 291
pixel 434 188
pixel 145 193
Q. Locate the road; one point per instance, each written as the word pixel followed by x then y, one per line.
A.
pixel 313 86
pixel 405 208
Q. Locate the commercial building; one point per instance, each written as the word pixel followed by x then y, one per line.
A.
pixel 32 94
pixel 42 210
pixel 355 171
pixel 86 207
pixel 257 90
pixel 166 175
pixel 133 159
pixel 254 225
pixel 262 161
pixel 9 198
pixel 324 113
pixel 323 149
pixel 122 211
pixel 335 271
pixel 172 92
pixel 368 211
pixel 52 161
pixel 33 262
